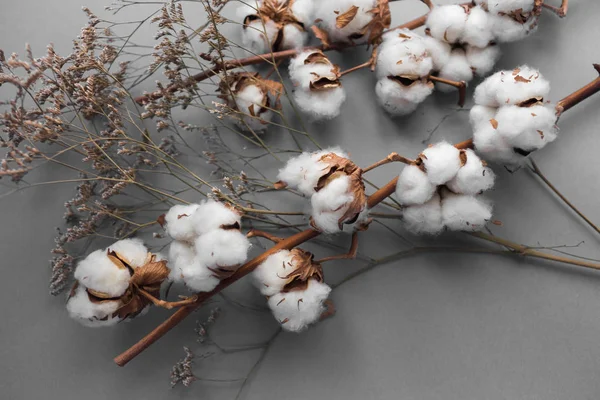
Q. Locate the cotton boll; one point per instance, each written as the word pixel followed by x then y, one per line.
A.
pixel 304 171
pixel 528 128
pixel 506 29
pixel 330 204
pixel 447 22
pixel 472 178
pixel 297 309
pixel 328 11
pixel 250 102
pixel 92 314
pixel 131 251
pixel 482 60
pixel 398 99
pixel 293 37
pixel 304 10
pixel 493 146
pixel 212 215
pixel 198 277
pixel 222 248
pixel 481 115
pixel 506 6
pixel 512 87
pixel 413 186
pixel 456 69
pixel 271 275
pixel 439 51
pixel 441 161
pixel 99 273
pixel 320 105
pixel 181 255
pixel 462 212
pixel 478 28
pixel 403 53
pixel 259 35
pixel 424 218
pixel 178 222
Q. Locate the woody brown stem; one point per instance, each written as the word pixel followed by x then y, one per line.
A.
pixel 329 310
pixel 579 95
pixel 356 68
pixel 560 11
pixel 461 86
pixel 428 3
pixel 350 255
pixel 285 244
pixel 266 235
pixel 393 157
pixel 167 304
pixel 242 62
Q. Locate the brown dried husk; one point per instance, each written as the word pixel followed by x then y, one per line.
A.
pixel 305 268
pixel 280 14
pixel 148 278
pixel 319 82
pixel 337 167
pixel 233 83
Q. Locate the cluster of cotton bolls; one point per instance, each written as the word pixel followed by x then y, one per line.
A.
pixel 403 67
pixel 335 186
pixel 352 21
pixel 510 118
pixel 293 283
pixel 275 24
pixel 250 98
pixel 512 20
pixel 318 91
pixel 207 244
pixel 442 190
pixel 104 292
pixel 461 42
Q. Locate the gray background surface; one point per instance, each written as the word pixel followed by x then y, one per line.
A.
pixel 434 326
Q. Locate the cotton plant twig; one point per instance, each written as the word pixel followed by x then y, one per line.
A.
pixel 531 252
pixel 356 68
pixel 272 57
pixel 286 244
pixel 460 85
pixel 579 95
pixel 393 157
pixel 535 169
pixel 350 255
pixel 560 11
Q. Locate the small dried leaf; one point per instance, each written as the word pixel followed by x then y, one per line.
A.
pixel 152 273
pixel 344 19
pixel 494 123
pixel 519 78
pixel 280 185
pixel 321 35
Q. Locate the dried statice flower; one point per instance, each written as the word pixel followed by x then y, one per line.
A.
pixel 202 327
pixel 182 371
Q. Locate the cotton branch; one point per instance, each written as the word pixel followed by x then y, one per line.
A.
pixel 268 57
pixel 560 11
pixel 579 95
pixel 461 86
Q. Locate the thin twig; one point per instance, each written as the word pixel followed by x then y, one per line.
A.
pixel 535 169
